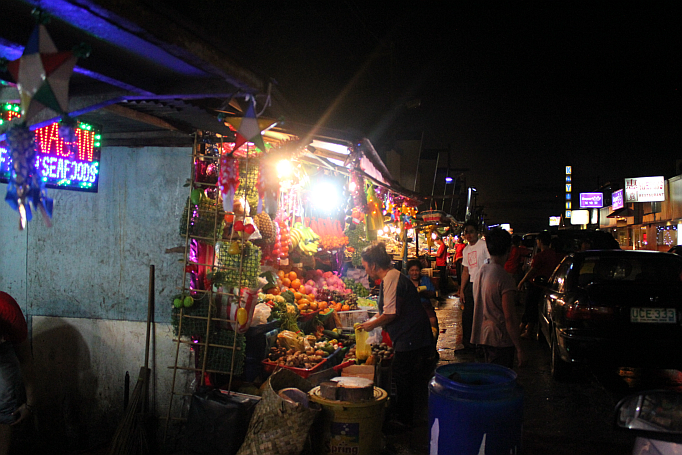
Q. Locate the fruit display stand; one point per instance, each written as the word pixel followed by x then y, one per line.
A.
pixel 220 273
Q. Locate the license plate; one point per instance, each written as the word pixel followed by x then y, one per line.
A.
pixel 655 315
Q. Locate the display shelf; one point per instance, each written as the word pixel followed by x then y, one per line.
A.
pixel 218 349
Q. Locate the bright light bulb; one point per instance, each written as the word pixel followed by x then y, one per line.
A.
pixel 284 169
pixel 351 187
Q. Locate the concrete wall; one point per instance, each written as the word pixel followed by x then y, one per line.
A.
pixel 83 284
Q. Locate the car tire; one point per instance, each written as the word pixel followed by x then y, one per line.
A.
pixel 560 370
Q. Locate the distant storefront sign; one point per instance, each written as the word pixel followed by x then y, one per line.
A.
pixel 591 200
pixel 617 200
pixel 64 165
pixel 645 189
pixel 554 220
pixel 580 217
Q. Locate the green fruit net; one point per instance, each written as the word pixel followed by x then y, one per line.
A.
pixel 203 222
pixel 228 265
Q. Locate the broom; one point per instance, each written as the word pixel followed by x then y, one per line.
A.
pixel 131 434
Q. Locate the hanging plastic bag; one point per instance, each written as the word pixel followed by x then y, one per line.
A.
pixel 261 314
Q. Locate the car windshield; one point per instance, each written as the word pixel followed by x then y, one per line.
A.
pixel 650 268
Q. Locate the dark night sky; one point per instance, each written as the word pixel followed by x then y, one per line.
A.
pixel 515 91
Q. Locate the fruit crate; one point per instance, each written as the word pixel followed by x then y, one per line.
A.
pixel 350 318
pixel 270 367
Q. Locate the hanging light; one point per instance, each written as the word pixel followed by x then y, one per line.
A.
pixel 284 169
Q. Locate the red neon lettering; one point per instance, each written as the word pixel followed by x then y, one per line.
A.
pixel 85 144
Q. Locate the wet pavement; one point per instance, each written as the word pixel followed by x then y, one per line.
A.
pixel 561 418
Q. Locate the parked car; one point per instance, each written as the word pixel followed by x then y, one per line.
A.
pixel 677 249
pixel 616 306
pixel 655 417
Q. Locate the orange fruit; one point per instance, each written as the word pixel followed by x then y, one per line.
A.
pixel 274 291
pixel 286 282
pixel 345 308
pixel 280 274
pixel 322 305
pixel 292 276
pixel 302 307
pixel 313 306
pixel 297 295
pixel 302 290
pixel 304 302
pixel 296 283
pixel 311 297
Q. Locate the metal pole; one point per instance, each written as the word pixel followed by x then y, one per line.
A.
pixel 435 173
pixel 419 157
pixel 454 185
pixel 445 188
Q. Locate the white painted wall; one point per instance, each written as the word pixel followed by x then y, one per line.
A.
pixel 83 284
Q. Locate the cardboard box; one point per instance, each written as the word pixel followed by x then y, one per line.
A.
pixel 359 371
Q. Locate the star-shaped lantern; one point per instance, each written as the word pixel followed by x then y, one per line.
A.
pixel 249 128
pixel 42 74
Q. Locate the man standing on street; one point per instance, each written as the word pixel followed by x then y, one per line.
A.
pixel 495 327
pixel 543 264
pixel 442 266
pixel 403 316
pixel 475 255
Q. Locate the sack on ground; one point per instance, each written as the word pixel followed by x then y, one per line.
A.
pixel 279 426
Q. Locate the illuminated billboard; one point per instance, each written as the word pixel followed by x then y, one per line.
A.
pixel 645 189
pixel 63 165
pixel 591 200
pixel 580 217
pixel 617 200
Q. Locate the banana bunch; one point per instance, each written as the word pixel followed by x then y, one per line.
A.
pixel 304 239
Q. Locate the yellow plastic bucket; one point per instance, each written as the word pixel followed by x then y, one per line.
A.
pixel 352 428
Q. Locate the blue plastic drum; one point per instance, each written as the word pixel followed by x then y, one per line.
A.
pixel 475 408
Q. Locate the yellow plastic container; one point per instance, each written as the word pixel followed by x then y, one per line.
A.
pixel 362 348
pixel 351 427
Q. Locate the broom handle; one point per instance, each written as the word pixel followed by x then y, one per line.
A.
pixel 150 309
pixel 150 313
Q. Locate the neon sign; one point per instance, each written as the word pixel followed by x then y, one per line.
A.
pixel 63 165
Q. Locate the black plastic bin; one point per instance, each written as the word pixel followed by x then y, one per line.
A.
pixel 217 421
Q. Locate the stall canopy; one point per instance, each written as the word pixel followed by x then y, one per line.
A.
pixel 150 78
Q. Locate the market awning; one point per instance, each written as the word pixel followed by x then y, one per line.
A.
pixel 622 212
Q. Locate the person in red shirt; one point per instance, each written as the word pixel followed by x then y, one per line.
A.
pixel 543 264
pixel 459 255
pixel 16 370
pixel 517 256
pixel 442 265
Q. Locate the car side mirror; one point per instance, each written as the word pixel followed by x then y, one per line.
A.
pixel 653 414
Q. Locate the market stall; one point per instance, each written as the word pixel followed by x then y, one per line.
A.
pixel 273 277
pixel 429 225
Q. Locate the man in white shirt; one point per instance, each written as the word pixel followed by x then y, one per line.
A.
pixel 475 255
